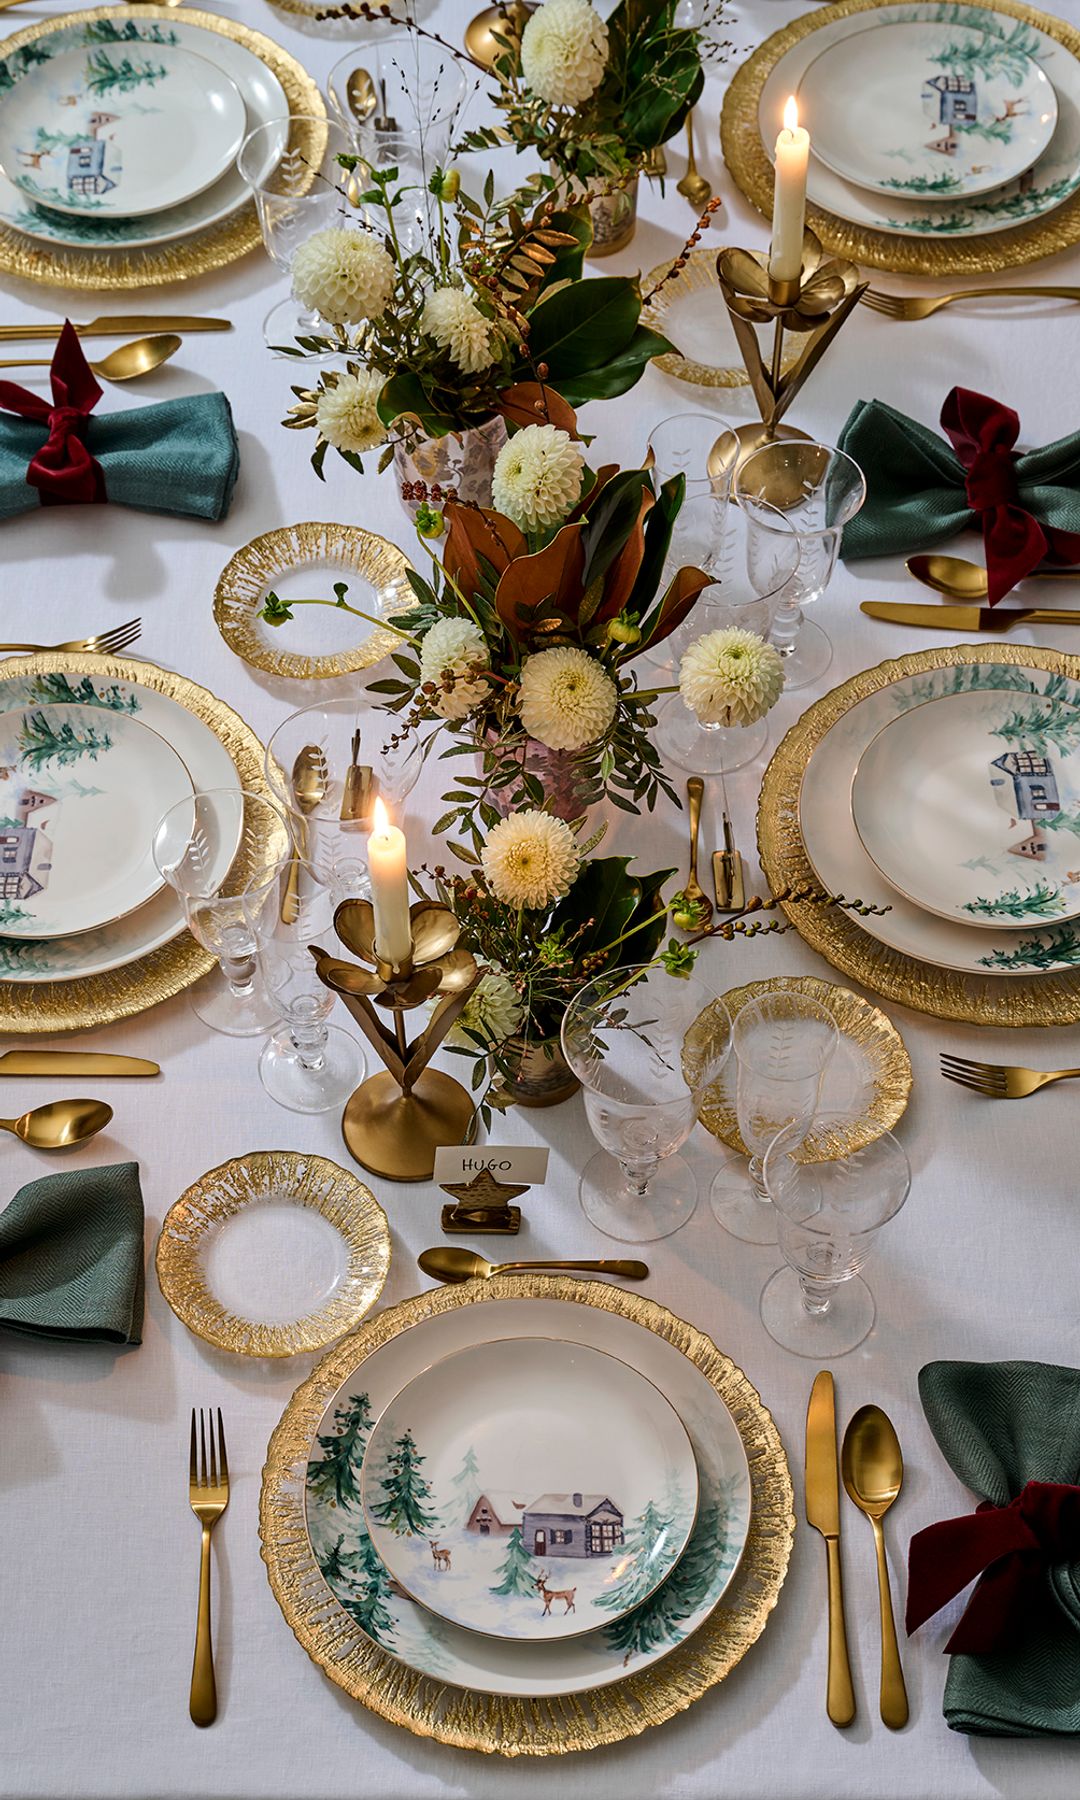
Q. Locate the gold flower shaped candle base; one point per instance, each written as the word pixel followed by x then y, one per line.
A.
pixel 395 1121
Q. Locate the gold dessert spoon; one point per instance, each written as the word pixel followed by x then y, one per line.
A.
pixel 693 185
pixel 692 888
pixel 447 1263
pixel 963 580
pixel 60 1124
pixel 126 363
pixel 873 1471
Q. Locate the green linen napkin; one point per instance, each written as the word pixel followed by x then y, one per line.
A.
pixel 1000 1425
pixel 71 1256
pixel 178 456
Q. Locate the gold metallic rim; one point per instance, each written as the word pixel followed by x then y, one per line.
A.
pixel 857 1019
pixel 115 270
pixel 698 274
pixel 518 1727
pixel 119 993
pixel 244 580
pixel 943 993
pixel 746 157
pixel 312 1181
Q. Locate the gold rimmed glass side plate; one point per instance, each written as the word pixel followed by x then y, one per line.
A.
pixel 304 561
pixel 868 1080
pixel 535 1717
pixel 689 310
pixel 1022 999
pixel 273 1253
pixel 92 267
pixel 748 160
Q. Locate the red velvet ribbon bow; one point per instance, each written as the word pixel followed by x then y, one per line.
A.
pixel 63 470
pixel 1009 1546
pixel 983 432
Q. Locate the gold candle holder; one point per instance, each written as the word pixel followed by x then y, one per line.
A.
pixel 395 1121
pixel 815 305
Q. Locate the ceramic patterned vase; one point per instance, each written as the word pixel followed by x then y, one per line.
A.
pixel 459 465
pixel 540 1074
pixel 614 219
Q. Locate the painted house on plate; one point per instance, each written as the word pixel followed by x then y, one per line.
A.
pixel 495 1514
pixel 86 167
pixel 1025 787
pixel 26 851
pixel 957 101
pixel 574 1525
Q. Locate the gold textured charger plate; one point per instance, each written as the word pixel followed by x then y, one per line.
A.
pixel 77 1005
pixel 115 270
pixel 500 1724
pixel 262 1189
pixel 244 582
pixel 698 277
pixel 871 1052
pixel 944 993
pixel 749 163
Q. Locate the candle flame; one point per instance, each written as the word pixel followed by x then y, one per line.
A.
pixel 791 114
pixel 381 816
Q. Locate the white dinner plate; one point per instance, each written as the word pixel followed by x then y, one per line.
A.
pixel 532 1489
pixel 935 111
pixel 208 764
pixel 358 1582
pixel 259 88
pixel 80 795
pixel 841 865
pixel 1050 180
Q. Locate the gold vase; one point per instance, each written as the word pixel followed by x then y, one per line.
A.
pixel 540 1074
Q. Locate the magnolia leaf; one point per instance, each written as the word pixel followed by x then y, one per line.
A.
pixel 472 534
pixel 552 575
pixel 530 403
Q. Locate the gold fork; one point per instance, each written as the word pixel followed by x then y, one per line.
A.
pixel 208 1492
pixel 1000 1081
pixel 922 306
pixel 106 643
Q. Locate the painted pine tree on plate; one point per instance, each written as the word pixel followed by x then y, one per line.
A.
pixel 466 1487
pixel 358 1579
pixel 645 1557
pixel 407 1507
pixel 516 1570
pixel 707 1558
pixel 336 1477
pixel 42 740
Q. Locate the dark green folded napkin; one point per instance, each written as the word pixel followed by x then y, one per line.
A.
pixel 1000 1425
pixel 179 456
pixel 71 1256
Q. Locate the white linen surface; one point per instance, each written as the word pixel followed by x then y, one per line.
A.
pixel 100 1549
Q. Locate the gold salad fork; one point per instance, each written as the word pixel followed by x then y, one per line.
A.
pixel 1000 1081
pixel 106 643
pixel 923 306
pixel 208 1491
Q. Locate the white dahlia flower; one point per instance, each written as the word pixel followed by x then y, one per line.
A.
pixel 530 859
pixel 493 1012
pixel 730 677
pixel 564 52
pixel 566 699
pixel 458 325
pixel 537 476
pixel 347 414
pixel 453 656
pixel 343 275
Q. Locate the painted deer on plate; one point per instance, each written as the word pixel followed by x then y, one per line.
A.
pixel 550 1594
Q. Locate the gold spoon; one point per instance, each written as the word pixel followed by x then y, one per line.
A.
pixel 60 1124
pixel 447 1263
pixel 873 1471
pixel 128 361
pixel 693 185
pixel 692 887
pixel 963 580
pixel 361 96
pixel 309 779
pixel 508 20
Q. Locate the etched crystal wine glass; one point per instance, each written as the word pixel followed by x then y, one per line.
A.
pixel 291 167
pixel 623 1036
pixel 828 1215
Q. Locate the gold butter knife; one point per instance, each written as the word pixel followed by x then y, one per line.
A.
pixel 967 618
pixel 823 1513
pixel 117 325
pixel 74 1062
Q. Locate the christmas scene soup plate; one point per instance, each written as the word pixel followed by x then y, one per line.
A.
pixel 514 1487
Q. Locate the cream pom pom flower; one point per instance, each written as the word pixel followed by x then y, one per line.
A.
pixel 530 859
pixel 458 325
pixel 494 1012
pixel 453 655
pixel 730 677
pixel 346 413
pixel 343 275
pixel 537 477
pixel 566 700
pixel 564 51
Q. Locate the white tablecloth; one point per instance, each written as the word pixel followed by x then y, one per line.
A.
pixel 99 1547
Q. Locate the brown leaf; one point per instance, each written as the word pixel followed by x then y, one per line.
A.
pixel 623 572
pixel 471 534
pixel 678 600
pixel 552 575
pixel 527 403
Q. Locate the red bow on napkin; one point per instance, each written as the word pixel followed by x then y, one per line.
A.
pixel 983 432
pixel 1009 1546
pixel 63 470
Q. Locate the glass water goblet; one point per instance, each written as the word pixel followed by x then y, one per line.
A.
pixel 623 1036
pixel 828 1215
pixel 818 490
pixel 700 445
pixel 399 98
pixel 220 852
pixel 291 167
pixel 782 1043
pixel 307 1064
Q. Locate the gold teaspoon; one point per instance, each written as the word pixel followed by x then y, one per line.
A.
pixel 693 185
pixel 60 1124
pixel 963 580
pixel 126 363
pixel 309 780
pixel 873 1471
pixel 447 1263
pixel 692 887
pixel 361 96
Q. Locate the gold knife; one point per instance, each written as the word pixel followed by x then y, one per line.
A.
pixel 967 618
pixel 116 325
pixel 74 1062
pixel 823 1513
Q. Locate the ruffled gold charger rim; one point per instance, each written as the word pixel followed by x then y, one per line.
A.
pixel 697 277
